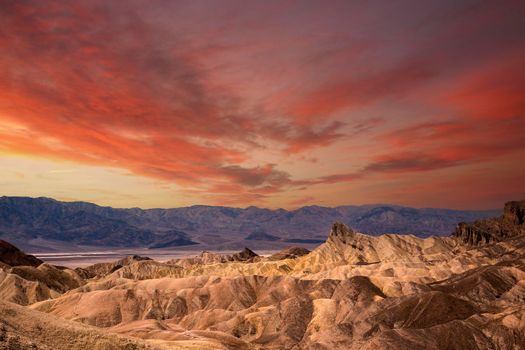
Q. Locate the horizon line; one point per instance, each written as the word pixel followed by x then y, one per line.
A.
pixel 254 206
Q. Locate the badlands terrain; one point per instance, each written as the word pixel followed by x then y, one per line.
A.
pixel 355 291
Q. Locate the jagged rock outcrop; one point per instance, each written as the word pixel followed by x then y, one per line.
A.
pixel 514 212
pixel 244 255
pixel 485 231
pixel 12 256
pixel 341 233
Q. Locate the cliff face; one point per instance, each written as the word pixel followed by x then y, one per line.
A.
pixel 480 232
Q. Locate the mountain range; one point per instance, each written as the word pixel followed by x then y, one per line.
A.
pixel 39 224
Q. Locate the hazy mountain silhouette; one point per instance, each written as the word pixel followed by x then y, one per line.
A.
pixel 44 222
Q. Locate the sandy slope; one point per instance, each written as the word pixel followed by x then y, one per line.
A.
pixel 23 328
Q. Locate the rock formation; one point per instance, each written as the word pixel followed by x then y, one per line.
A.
pixel 341 233
pixel 485 231
pixel 22 328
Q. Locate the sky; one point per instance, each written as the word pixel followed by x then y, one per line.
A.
pixel 267 103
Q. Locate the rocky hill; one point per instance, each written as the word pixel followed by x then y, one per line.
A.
pixel 42 223
pixel 11 255
pixel 510 224
pixel 22 328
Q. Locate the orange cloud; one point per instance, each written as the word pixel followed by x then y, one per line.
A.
pixel 160 89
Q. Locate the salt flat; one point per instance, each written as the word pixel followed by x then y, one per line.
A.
pixel 86 258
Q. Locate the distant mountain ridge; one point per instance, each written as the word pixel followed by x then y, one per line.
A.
pixel 45 223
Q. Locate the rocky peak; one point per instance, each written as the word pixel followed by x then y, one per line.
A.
pixel 244 255
pixel 341 233
pixel 485 231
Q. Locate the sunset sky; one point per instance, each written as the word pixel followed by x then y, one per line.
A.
pixel 267 103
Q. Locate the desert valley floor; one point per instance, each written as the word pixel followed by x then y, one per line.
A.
pixel 355 291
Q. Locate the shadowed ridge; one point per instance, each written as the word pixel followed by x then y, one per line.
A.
pixel 11 255
pixel 244 255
